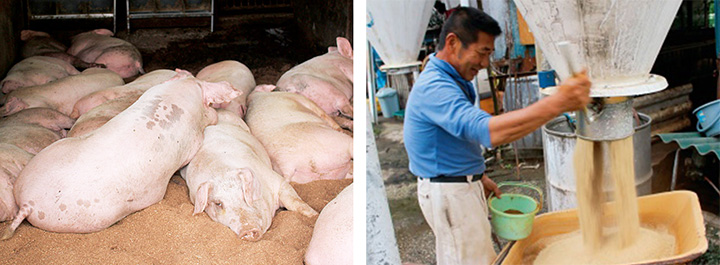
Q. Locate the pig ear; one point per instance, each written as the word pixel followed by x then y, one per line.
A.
pixel 344 47
pixel 105 32
pixel 219 92
pixel 332 49
pixel 138 65
pixel 179 75
pixel 251 186
pixel 264 88
pixel 201 197
pixel 182 73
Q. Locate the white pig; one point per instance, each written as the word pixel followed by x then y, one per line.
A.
pixel 85 184
pixel 40 43
pixel 326 80
pixel 235 73
pixel 303 142
pixel 45 117
pixel 62 94
pixel 30 137
pixel 100 47
pixel 98 116
pixel 332 238
pixel 232 180
pixel 12 161
pixel 141 84
pixel 36 70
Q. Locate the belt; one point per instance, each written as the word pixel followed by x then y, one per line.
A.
pixel 453 179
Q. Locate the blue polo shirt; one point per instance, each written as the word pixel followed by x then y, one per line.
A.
pixel 443 131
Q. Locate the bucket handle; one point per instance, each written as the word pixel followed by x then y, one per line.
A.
pixel 702 130
pixel 523 185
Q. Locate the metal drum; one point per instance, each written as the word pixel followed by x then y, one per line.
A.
pixel 559 146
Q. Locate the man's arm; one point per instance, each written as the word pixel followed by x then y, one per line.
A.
pixel 573 94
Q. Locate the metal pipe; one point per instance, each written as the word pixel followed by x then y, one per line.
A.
pixel 114 16
pixel 73 16
pixel 674 173
pixel 371 84
pixel 380 235
pixel 127 15
pixel 212 16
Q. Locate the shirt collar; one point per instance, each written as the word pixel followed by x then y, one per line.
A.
pixel 446 67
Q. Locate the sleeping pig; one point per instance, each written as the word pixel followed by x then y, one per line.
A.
pixel 232 180
pixel 86 184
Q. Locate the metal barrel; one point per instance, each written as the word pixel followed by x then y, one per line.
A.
pixel 559 146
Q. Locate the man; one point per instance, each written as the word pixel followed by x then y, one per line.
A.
pixel 443 134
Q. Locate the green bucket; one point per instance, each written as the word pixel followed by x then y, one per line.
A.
pixel 513 214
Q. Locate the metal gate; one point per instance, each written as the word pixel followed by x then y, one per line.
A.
pixel 238 5
pixel 71 9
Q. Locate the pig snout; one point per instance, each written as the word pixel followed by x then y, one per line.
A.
pixel 252 234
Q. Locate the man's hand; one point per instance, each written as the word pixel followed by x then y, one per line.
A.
pixel 574 92
pixel 490 186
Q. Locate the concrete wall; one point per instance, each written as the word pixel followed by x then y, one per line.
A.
pixel 323 21
pixel 11 22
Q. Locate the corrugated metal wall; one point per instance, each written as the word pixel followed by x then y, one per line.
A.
pixel 519 93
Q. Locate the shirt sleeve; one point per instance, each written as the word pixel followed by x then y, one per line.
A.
pixel 450 109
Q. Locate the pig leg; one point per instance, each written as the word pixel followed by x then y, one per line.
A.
pixel 344 123
pixel 25 210
pixel 8 208
pixel 320 113
pixel 291 201
pixel 74 61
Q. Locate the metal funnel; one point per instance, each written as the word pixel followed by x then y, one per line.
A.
pixel 617 40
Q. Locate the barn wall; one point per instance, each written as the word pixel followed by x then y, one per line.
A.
pixel 10 25
pixel 323 21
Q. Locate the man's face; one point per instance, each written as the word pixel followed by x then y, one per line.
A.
pixel 474 57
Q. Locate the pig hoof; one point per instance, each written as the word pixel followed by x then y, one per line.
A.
pixel 251 235
pixel 8 233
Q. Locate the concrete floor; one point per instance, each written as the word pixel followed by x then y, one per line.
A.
pixel 414 237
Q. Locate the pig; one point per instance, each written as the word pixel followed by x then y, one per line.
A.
pixel 37 43
pixel 40 43
pixel 100 47
pixel 12 161
pixel 238 75
pixel 36 70
pixel 232 180
pixel 304 143
pixel 45 117
pixel 29 137
pixel 98 116
pixel 326 80
pixel 332 238
pixel 60 95
pixel 139 85
pixel 85 184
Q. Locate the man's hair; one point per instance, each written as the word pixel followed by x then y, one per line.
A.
pixel 466 23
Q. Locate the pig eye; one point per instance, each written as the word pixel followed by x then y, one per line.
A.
pixel 219 204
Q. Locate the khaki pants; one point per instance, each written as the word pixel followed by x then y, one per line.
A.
pixel 458 215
